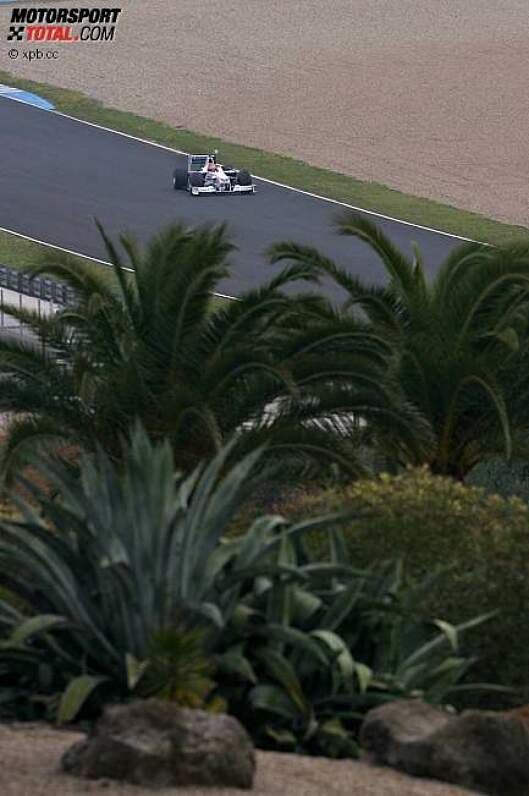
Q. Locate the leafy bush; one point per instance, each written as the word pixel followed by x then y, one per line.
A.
pixel 127 586
pixel 481 541
pixel 311 657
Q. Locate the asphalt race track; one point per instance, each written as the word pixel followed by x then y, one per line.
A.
pixel 57 175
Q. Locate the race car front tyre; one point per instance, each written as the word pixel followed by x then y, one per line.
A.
pixel 195 180
pixel 244 177
pixel 180 179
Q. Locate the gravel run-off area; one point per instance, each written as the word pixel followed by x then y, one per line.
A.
pixel 31 756
pixel 428 96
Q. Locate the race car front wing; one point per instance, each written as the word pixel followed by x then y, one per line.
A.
pixel 228 189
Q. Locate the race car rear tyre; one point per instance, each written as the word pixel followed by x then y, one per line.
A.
pixel 244 177
pixel 180 179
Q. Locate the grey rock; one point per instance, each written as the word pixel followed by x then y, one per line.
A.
pixel 483 751
pixel 158 745
pixel 404 721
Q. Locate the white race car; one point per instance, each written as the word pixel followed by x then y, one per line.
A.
pixel 204 175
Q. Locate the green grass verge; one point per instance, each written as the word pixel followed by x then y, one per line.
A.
pixel 368 195
pixel 20 253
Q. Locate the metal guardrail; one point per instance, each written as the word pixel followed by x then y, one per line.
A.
pixel 38 287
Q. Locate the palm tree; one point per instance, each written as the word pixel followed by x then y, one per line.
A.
pixel 461 336
pixel 144 341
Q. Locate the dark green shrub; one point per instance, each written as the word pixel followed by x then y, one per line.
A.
pixel 432 522
pixel 308 656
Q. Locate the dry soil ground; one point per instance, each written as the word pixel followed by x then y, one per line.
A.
pixel 429 96
pixel 30 758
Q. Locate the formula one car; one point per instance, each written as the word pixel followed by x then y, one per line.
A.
pixel 204 175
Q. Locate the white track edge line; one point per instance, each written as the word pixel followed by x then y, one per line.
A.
pixel 87 256
pixel 274 182
pixel 116 132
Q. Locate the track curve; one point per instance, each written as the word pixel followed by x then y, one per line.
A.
pixel 57 174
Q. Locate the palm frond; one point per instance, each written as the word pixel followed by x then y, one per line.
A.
pixel 27 435
pixel 399 268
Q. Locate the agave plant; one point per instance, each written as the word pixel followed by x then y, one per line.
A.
pixel 117 559
pixel 146 341
pixel 462 337
pixel 114 563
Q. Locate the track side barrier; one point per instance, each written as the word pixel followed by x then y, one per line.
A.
pixel 39 287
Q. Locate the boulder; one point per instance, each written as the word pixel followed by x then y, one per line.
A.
pixel 386 728
pixel 483 750
pixel 155 744
pixel 480 750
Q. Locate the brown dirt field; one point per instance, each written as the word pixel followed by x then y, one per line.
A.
pixel 429 96
pixel 31 754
